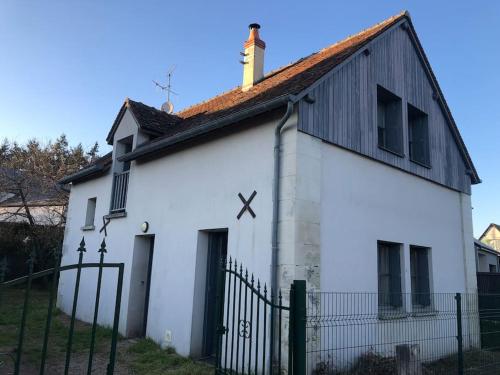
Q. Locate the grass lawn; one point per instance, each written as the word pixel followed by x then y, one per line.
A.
pixel 139 357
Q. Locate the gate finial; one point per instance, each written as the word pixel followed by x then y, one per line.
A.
pixel 103 247
pixel 81 248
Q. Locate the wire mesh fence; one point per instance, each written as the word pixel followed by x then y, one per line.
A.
pixel 440 333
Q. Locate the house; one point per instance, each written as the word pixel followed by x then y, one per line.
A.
pixel 44 209
pixel 23 212
pixel 345 169
pixel 487 258
pixel 491 236
pixel 35 203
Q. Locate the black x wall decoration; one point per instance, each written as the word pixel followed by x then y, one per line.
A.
pixel 246 205
pixel 105 222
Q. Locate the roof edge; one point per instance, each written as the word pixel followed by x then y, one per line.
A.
pixel 164 143
pixel 475 179
pixel 488 228
pixel 401 19
pixel 118 118
pixel 99 166
pixel 486 247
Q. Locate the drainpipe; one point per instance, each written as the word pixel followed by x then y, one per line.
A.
pixel 276 194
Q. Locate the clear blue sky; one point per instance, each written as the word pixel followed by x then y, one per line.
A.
pixel 66 66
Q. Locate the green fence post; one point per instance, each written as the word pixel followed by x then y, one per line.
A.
pixel 298 322
pixel 460 357
pixel 3 273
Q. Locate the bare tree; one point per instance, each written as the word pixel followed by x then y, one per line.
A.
pixel 29 190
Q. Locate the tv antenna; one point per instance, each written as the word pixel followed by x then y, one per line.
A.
pixel 168 105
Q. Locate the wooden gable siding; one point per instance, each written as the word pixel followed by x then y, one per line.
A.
pixel 344 111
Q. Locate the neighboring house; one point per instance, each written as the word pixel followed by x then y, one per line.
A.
pixel 491 236
pixel 42 205
pixel 360 181
pixel 35 210
pixel 487 258
pixel 44 210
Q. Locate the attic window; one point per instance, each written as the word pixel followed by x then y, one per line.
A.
pixel 389 121
pixel 418 136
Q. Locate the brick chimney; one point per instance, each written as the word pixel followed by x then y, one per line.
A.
pixel 253 63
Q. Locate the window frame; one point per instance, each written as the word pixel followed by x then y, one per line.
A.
pixel 396 303
pixel 421 300
pixel 90 213
pixel 123 146
pixel 386 97
pixel 412 113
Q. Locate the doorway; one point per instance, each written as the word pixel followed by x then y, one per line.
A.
pixel 217 250
pixel 140 285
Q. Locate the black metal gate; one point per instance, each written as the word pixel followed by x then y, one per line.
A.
pixel 252 324
pixel 25 286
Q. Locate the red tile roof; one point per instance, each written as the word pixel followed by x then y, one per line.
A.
pixel 291 79
pixel 288 80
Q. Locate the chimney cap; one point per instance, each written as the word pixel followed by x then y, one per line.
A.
pixel 254 26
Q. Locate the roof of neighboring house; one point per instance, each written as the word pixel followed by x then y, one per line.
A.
pixel 37 195
pixel 485 247
pixel 287 82
pixel 492 225
pixel 97 168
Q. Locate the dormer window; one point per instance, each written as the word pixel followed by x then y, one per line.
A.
pixel 120 176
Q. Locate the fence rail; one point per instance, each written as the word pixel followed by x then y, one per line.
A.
pixel 24 285
pixel 349 333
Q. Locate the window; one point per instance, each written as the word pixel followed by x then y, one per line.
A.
pixel 493 268
pixel 420 283
pixel 418 136
pixel 389 276
pixel 126 149
pixel 89 218
pixel 121 176
pixel 389 121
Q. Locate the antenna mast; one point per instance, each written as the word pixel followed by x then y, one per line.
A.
pixel 167 106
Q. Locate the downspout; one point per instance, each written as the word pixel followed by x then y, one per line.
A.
pixel 276 194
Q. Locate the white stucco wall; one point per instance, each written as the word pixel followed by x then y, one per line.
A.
pixel 334 206
pixel 178 195
pixel 363 201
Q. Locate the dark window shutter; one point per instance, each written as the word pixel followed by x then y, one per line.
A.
pixel 395 275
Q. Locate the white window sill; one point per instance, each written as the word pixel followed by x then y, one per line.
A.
pixel 115 215
pixel 390 314
pixel 88 227
pixel 423 311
